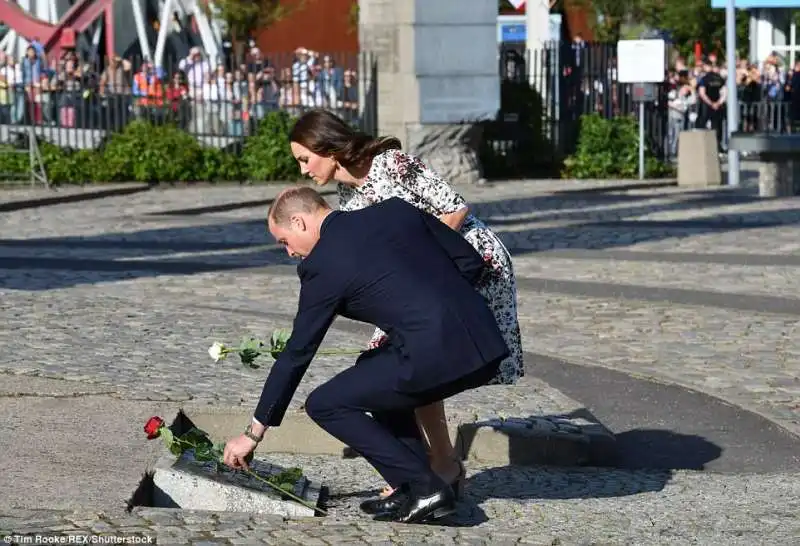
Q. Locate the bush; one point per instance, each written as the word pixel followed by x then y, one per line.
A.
pixel 143 152
pixel 148 153
pixel 609 148
pixel 267 154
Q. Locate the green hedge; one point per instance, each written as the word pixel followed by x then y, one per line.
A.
pixel 143 152
pixel 609 148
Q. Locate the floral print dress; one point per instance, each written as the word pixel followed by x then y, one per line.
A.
pixel 397 174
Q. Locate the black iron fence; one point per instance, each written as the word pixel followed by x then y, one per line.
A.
pixel 544 94
pixel 74 104
pixel 546 91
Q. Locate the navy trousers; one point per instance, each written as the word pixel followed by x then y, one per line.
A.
pixel 389 439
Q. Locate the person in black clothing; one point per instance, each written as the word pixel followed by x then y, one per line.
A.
pixel 794 97
pixel 712 93
pixel 750 95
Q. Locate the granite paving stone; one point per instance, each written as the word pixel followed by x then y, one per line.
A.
pixel 746 358
pixel 724 278
pixel 83 310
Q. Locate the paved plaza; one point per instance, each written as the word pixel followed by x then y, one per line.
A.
pixel 672 316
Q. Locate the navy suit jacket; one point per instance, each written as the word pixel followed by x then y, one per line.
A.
pixel 403 270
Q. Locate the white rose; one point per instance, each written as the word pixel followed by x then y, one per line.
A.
pixel 216 351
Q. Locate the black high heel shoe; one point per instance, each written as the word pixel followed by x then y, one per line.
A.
pixel 458 483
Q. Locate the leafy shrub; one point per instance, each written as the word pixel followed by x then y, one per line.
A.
pixel 148 153
pixel 143 152
pixel 221 166
pixel 13 165
pixel 609 148
pixel 267 155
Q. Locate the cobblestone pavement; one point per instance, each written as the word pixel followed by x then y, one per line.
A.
pixel 129 291
pixel 509 505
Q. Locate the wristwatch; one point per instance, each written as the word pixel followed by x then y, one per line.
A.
pixel 249 433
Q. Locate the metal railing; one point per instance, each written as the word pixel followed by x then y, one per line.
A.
pixel 754 117
pixel 75 105
pixel 570 81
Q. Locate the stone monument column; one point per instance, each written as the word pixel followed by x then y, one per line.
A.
pixel 437 77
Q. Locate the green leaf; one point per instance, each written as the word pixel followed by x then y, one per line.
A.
pixel 248 358
pixel 197 436
pixel 206 454
pixel 278 341
pixel 168 438
pixel 249 351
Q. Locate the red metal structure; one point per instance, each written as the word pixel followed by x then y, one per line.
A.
pixel 60 36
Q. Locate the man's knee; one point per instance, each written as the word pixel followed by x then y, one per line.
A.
pixel 320 403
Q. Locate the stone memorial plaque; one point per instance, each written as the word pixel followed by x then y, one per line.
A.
pixel 193 485
pixel 534 440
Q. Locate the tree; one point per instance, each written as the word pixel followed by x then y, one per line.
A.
pixel 243 17
pixel 690 21
pixel 352 17
pixel 611 16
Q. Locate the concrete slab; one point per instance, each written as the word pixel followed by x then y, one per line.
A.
pixel 563 433
pixel 551 440
pixel 297 434
pixel 192 485
pixel 70 447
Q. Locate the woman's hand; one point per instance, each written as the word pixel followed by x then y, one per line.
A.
pixel 455 219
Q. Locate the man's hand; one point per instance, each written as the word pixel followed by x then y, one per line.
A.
pixel 237 451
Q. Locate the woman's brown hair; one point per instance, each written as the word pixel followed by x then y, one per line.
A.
pixel 328 135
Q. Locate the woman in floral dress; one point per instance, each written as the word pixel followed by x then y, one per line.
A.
pixel 369 171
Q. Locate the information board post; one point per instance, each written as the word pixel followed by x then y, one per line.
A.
pixel 642 93
pixel 642 63
pixel 641 141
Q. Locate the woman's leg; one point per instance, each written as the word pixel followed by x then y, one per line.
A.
pixel 433 424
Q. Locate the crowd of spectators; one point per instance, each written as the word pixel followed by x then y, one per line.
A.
pixel 695 95
pixel 229 97
pixel 768 95
pixel 202 96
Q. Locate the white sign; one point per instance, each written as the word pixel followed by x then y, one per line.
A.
pixel 641 61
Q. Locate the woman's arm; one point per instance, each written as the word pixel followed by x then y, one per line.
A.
pixel 436 194
pixel 455 219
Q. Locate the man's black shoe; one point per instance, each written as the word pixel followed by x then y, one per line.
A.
pixel 391 503
pixel 422 509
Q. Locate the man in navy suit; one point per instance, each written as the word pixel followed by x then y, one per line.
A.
pixel 396 267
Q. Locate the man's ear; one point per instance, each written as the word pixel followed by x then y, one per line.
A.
pixel 298 222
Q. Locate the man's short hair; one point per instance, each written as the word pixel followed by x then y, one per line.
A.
pixel 293 200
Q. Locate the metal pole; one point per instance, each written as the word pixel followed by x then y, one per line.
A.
pixel 141 30
pixel 163 30
pixel 733 99
pixel 641 140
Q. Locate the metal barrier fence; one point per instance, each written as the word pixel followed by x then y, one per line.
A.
pixel 75 105
pixel 569 81
pixel 754 117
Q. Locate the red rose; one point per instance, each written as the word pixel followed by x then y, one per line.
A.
pixel 153 426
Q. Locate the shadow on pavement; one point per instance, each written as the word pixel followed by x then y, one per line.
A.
pixel 646 448
pixel 148 253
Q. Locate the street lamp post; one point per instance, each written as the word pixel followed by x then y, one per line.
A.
pixel 733 97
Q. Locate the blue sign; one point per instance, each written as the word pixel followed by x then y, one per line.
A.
pixel 513 29
pixel 514 32
pixel 749 4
